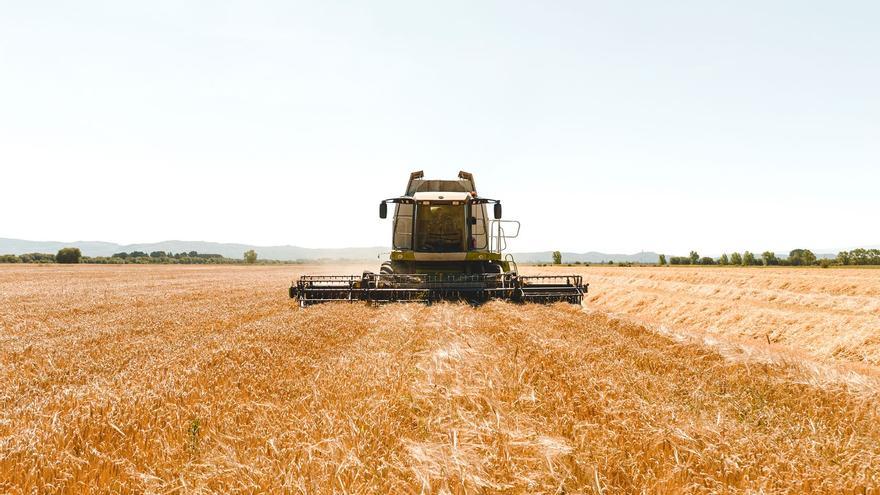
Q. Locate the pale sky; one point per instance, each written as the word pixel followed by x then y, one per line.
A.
pixel 607 126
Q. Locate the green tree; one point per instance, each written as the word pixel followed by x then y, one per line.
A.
pixel 706 260
pixel 736 258
pixel 68 255
pixel 557 258
pixel 250 256
pixel 662 260
pixel 695 258
pixel 723 260
pixel 801 257
pixel 859 256
pixel 769 258
pixel 748 259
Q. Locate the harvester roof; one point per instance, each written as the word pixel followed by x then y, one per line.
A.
pixel 417 183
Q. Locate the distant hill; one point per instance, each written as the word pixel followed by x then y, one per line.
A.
pixel 590 257
pixel 229 250
pixel 233 250
pixel 292 253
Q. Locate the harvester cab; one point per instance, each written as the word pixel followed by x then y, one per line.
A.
pixel 444 247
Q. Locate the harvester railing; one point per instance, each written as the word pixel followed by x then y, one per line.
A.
pixel 499 236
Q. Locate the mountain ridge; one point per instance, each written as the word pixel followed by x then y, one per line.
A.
pixel 227 249
pixel 294 253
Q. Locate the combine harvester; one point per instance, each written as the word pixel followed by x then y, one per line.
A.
pixel 445 248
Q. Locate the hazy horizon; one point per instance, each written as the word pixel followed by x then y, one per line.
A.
pixel 290 252
pixel 614 128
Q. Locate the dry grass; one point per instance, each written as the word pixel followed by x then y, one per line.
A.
pixel 830 314
pixel 207 379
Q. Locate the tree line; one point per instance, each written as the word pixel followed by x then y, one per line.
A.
pixel 797 257
pixel 859 257
pixel 74 255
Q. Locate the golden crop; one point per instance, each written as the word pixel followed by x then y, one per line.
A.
pixel 167 379
pixel 829 314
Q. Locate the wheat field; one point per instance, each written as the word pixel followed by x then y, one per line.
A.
pixel 828 314
pixel 168 379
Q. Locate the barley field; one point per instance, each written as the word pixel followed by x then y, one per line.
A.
pixel 170 379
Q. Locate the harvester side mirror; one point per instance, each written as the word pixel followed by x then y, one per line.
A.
pixel 383 210
pixel 497 211
pixel 472 220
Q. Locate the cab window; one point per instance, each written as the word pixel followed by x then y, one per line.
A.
pixel 440 228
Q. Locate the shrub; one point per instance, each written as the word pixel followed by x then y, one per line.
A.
pixel 37 258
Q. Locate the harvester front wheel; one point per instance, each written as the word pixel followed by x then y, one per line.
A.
pixel 386 268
